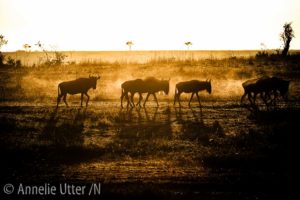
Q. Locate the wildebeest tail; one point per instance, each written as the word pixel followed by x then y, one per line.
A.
pixel 58 90
pixel 176 90
pixel 122 90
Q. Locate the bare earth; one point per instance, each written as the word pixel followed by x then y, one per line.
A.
pixel 223 152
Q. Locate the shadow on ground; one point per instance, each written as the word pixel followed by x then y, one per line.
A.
pixel 187 155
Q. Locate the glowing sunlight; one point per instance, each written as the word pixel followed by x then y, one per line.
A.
pixel 151 25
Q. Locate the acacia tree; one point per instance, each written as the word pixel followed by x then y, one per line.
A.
pixel 286 36
pixel 188 44
pixel 129 44
pixel 27 47
pixel 3 42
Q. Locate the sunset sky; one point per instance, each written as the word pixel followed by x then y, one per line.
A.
pixel 151 25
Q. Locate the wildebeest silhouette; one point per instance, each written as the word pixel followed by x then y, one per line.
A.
pixel 132 87
pixel 250 88
pixel 149 85
pixel 193 86
pixel 152 85
pixel 265 87
pixel 80 85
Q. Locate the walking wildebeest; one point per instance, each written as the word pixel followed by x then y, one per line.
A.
pixel 265 86
pixel 80 85
pixel 251 87
pixel 152 85
pixel 131 86
pixel 193 86
pixel 149 85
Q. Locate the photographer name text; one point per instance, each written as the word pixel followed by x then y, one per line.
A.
pixel 65 189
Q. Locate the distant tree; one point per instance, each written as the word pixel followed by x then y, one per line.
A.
pixel 188 44
pixel 27 47
pixel 286 36
pixel 129 44
pixel 41 46
pixel 3 42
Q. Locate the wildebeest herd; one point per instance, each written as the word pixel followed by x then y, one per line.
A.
pixel 269 89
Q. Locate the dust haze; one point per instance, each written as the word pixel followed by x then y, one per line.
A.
pixel 40 83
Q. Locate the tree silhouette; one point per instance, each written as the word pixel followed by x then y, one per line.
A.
pixel 286 36
pixel 129 44
pixel 41 46
pixel 3 42
pixel 27 47
pixel 188 44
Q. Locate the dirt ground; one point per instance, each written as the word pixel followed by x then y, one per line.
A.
pixel 220 152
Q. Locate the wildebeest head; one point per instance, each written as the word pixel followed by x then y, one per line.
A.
pixel 94 81
pixel 208 87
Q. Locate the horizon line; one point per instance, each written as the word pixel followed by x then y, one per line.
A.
pixel 137 50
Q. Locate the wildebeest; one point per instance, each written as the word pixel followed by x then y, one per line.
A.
pixel 80 85
pixel 265 87
pixel 131 86
pixel 152 85
pixel 193 86
pixel 250 87
pixel 149 85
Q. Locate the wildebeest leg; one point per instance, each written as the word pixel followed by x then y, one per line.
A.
pixel 155 99
pixel 243 97
pixel 265 96
pixel 58 100
pixel 81 99
pixel 250 98
pixel 129 99
pixel 179 99
pixel 132 100
pixel 254 98
pixel 199 100
pixel 275 98
pixel 65 100
pixel 191 99
pixel 122 97
pixel 140 99
pixel 252 105
pixel 175 97
pixel 88 98
pixel 146 99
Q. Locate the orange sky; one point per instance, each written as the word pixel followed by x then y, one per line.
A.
pixel 151 25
